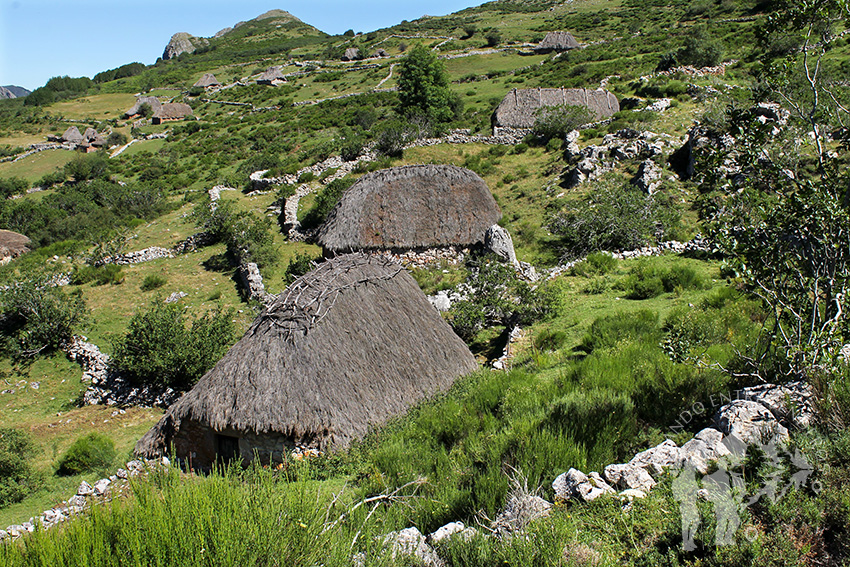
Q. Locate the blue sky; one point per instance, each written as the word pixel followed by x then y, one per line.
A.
pixel 40 39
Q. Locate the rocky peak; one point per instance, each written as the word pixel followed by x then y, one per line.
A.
pixel 182 42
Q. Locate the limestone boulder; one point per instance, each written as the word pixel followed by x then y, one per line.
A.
pixel 626 476
pixel 749 421
pixel 658 458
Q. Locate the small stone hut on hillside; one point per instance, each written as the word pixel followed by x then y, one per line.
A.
pixel 171 111
pixel 151 101
pixel 411 207
pixel 517 110
pixel 344 348
pixel 12 245
pixel 271 76
pixel 352 54
pixel 557 41
pixel 72 136
pixel 207 80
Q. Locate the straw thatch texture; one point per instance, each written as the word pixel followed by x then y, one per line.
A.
pixel 351 54
pixel 414 206
pixel 557 41
pixel 517 109
pixel 12 245
pixel 72 135
pixel 208 80
pixel 172 111
pixel 154 103
pixel 344 347
pixel 271 75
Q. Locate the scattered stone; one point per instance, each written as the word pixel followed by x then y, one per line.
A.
pixel 498 240
pixel 521 510
pixel 574 484
pixel 410 542
pixel 452 529
pixel 791 404
pixel 77 500
pixel 631 493
pixel 648 177
pixel 85 489
pixel 706 446
pixel 749 421
pixel 656 459
pixel 101 487
pixel 122 474
pixel 176 296
pixel 625 476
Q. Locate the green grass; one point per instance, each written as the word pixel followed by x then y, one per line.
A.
pixel 34 167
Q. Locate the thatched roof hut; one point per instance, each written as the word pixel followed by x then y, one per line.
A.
pixel 557 41
pixel 72 135
pixel 207 80
pixel 12 245
pixel 171 111
pixel 344 348
pixel 352 54
pixel 381 52
pixel 151 101
pixel 409 207
pixel 271 76
pixel 518 108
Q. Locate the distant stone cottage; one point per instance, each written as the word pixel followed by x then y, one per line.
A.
pixel 151 101
pixel 272 76
pixel 171 111
pixel 207 81
pixel 517 110
pixel 343 349
pixel 558 41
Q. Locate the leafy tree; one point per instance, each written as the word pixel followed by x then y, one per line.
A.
pixel 16 474
pixel 87 166
pixel 423 87
pixel 326 200
pixel 247 236
pixel 498 297
pixel 493 37
pixel 10 186
pixel 160 349
pixel 783 225
pixel 36 317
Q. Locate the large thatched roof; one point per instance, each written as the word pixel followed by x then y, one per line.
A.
pixel 173 111
pixel 207 80
pixel 352 54
pixel 12 245
pixel 414 206
pixel 344 347
pixel 152 101
pixel 557 41
pixel 271 75
pixel 72 134
pixel 517 109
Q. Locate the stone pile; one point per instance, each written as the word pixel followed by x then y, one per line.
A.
pixel 86 495
pixel 429 257
pixel 596 160
pixel 138 257
pixel 761 415
pixel 252 281
pixel 106 386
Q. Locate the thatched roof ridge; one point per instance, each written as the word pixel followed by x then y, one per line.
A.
pixel 72 134
pixel 270 75
pixel 518 108
pixel 90 134
pixel 207 80
pixel 352 54
pixel 173 111
pixel 413 206
pixel 557 41
pixel 13 244
pixel 344 347
pixel 154 103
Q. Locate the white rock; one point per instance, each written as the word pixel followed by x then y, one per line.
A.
pixel 627 476
pixel 453 529
pixel 656 459
pixel 411 542
pixel 85 489
pixel 749 421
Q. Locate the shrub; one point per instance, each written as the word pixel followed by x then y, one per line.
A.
pixel 160 349
pixel 298 266
pixel 93 452
pixel 87 166
pixel 596 264
pixel 153 281
pixel 612 218
pixel 326 200
pixel 558 121
pixel 609 331
pixel 247 236
pixel 37 317
pixel 10 186
pixel 493 37
pixel 100 275
pixel 16 474
pixel 644 281
pixel 116 139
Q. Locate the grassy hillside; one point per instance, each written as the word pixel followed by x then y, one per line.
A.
pixel 620 351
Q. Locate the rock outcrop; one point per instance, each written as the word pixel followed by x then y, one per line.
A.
pixel 182 42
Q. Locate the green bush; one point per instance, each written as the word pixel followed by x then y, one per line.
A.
pixel 93 452
pixel 552 122
pixel 164 348
pixel 612 330
pixel 298 266
pixel 17 478
pixel 153 281
pixel 37 317
pixel 326 200
pixel 248 236
pixel 100 275
pixel 596 264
